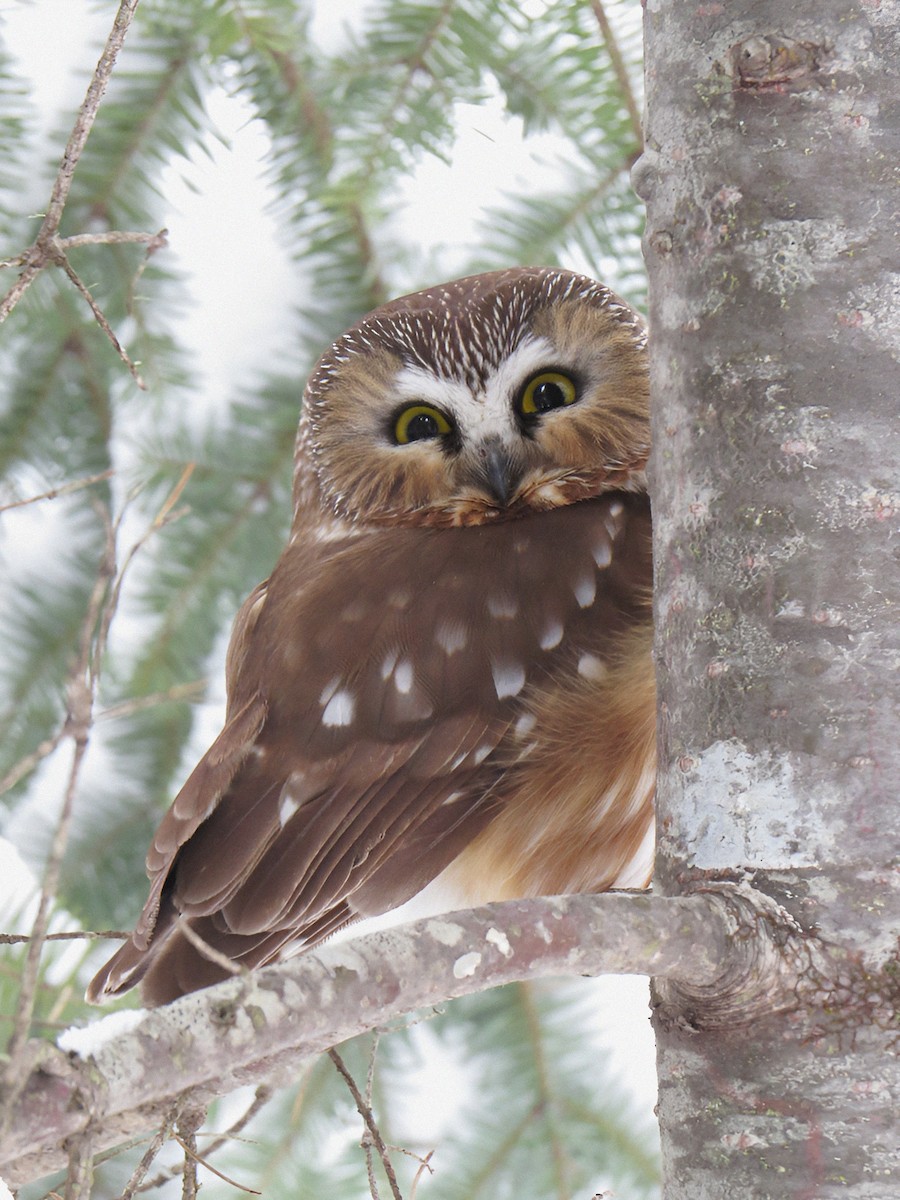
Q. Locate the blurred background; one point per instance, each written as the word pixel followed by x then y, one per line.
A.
pixel 308 161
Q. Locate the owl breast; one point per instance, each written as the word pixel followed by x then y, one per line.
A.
pixel 431 623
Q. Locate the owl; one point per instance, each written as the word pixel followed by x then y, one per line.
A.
pixel 448 674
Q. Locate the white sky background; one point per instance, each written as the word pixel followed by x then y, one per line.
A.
pixel 238 320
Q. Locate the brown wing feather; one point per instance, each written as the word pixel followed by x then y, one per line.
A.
pixel 374 687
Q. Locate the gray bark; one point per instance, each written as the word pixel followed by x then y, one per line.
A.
pixel 261 1027
pixel 771 178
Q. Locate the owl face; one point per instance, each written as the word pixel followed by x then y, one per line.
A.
pixel 480 400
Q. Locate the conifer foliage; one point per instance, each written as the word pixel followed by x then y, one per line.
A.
pixel 139 511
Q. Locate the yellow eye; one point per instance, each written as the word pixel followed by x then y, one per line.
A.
pixel 418 422
pixel 547 390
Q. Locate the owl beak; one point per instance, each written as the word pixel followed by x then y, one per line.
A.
pixel 497 472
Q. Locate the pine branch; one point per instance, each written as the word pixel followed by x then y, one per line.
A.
pixel 618 64
pixel 42 251
pixel 726 949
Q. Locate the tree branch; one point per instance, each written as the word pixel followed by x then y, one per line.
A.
pixel 42 251
pixel 260 1027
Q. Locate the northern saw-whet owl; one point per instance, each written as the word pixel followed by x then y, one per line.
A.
pixel 448 672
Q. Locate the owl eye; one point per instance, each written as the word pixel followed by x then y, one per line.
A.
pixel 547 390
pixel 418 422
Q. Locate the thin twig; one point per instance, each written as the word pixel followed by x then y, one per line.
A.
pixel 618 65
pixel 27 763
pixel 178 691
pixel 35 259
pixel 99 315
pixel 83 680
pixel 159 1139
pixel 116 237
pixel 208 951
pixel 80 1175
pixel 366 1113
pixel 77 726
pixel 187 1139
pixel 190 1150
pixel 14 939
pixel 424 1165
pixel 262 1096
pixel 64 489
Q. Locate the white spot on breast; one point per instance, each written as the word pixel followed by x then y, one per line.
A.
pixel 339 710
pixel 613 518
pixel 258 751
pixel 603 554
pixel 552 635
pixel 479 755
pixel 388 663
pixel 287 808
pixel 466 965
pixel 585 591
pixel 592 667
pixel 509 679
pixel 503 607
pixel 329 689
pixel 400 598
pixel 452 799
pixel 354 611
pixel 451 636
pixel 403 677
pixel 525 724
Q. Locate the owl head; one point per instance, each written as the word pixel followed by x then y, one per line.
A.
pixel 479 400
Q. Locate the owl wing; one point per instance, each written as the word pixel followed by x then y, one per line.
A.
pixel 375 685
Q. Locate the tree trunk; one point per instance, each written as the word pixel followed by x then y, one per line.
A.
pixel 771 177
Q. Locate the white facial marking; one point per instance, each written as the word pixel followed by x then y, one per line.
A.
pixel 503 607
pixel 403 677
pixel 592 667
pixel 585 591
pixel 451 636
pixel 509 679
pixel 339 710
pixel 488 413
pixel 552 635
pixel 287 808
